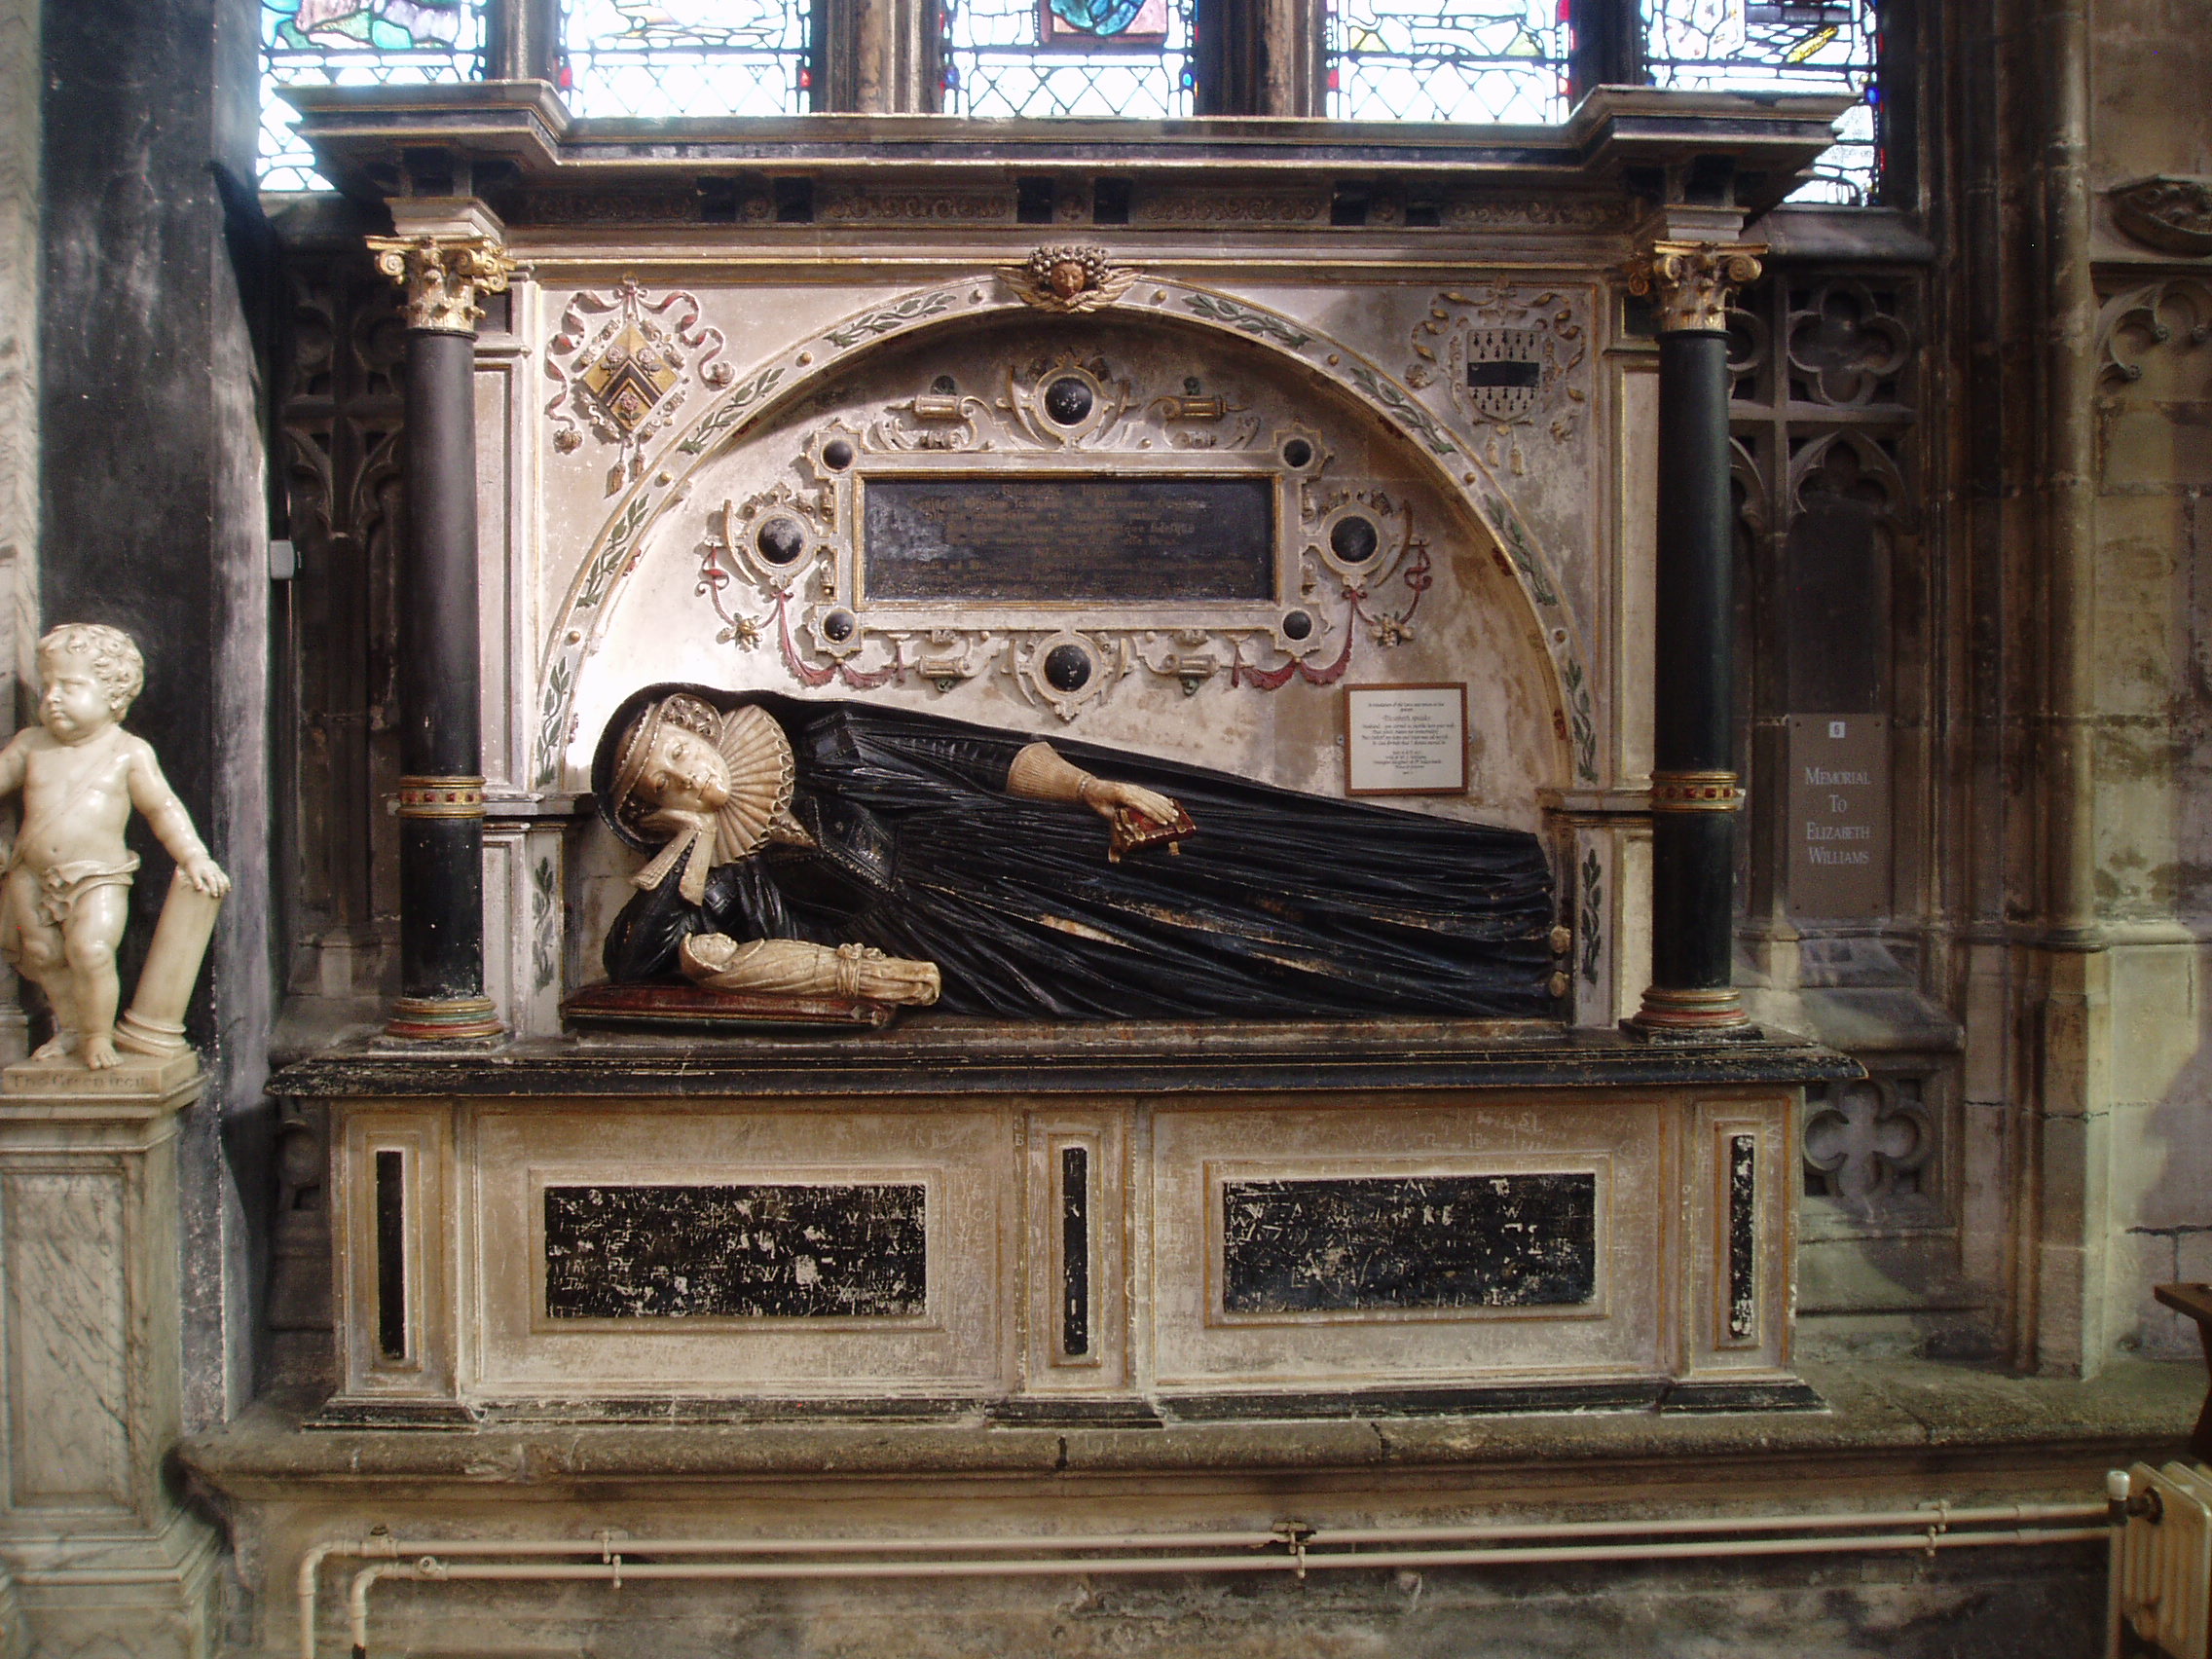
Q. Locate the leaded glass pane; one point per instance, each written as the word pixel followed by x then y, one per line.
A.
pixel 1482 61
pixel 654 58
pixel 1803 46
pixel 1084 58
pixel 352 43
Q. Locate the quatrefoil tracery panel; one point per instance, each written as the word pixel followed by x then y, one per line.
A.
pixel 1867 1142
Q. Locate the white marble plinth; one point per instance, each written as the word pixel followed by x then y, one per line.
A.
pixel 101 1557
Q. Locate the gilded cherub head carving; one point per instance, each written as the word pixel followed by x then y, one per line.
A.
pixel 1068 276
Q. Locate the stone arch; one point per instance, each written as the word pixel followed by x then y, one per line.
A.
pixel 769 386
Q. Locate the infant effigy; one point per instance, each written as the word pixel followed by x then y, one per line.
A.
pixel 68 874
pixel 838 849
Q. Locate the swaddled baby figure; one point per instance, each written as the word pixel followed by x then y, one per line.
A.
pixel 67 884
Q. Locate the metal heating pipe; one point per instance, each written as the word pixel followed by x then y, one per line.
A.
pixel 1293 1548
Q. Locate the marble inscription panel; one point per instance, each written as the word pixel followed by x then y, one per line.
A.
pixel 1049 541
pixel 768 1250
pixel 1387 1242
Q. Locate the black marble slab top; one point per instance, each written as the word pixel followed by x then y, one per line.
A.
pixel 931 1054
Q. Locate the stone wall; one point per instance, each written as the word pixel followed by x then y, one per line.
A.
pixel 2153 622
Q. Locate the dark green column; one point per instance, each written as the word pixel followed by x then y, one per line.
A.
pixel 441 789
pixel 1696 795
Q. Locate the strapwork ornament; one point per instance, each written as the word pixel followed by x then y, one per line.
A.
pixel 624 363
pixel 1694 281
pixel 1070 277
pixel 442 276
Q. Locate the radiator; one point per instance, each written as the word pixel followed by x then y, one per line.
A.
pixel 2162 1569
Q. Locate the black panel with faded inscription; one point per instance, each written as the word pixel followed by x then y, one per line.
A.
pixel 1048 540
pixel 1743 1237
pixel 768 1251
pixel 1432 1242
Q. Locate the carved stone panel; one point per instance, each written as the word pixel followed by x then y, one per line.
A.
pixel 2173 215
pixel 1868 1143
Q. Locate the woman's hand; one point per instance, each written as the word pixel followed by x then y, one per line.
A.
pixel 1108 796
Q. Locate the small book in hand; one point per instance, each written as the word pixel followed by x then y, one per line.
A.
pixel 1133 830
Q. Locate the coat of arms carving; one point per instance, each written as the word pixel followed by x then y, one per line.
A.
pixel 623 363
pixel 1509 357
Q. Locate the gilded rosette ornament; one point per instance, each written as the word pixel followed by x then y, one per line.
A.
pixel 1693 281
pixel 443 276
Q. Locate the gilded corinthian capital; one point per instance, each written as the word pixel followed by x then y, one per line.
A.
pixel 443 275
pixel 1693 280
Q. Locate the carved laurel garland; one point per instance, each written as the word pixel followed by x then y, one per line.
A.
pixel 772 382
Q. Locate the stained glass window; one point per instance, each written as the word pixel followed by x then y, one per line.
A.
pixel 651 57
pixel 1087 58
pixel 352 43
pixel 1800 46
pixel 1501 61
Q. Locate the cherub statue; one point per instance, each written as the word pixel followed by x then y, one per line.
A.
pixel 68 877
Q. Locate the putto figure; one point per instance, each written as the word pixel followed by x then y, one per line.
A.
pixel 1068 278
pixel 68 878
pixel 806 846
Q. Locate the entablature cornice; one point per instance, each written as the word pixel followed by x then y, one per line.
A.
pixel 1621 144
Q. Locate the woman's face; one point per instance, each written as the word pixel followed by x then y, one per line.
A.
pixel 684 772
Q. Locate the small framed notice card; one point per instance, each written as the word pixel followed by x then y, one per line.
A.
pixel 1405 740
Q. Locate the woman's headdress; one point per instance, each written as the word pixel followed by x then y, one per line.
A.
pixel 681 712
pixel 757 760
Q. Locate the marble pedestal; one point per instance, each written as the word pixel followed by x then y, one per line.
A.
pixel 101 1557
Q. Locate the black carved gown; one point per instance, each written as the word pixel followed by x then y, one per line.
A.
pixel 1281 905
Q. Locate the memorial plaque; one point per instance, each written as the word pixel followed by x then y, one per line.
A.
pixel 1405 740
pixel 1055 540
pixel 1839 816
pixel 1377 1243
pixel 769 1251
